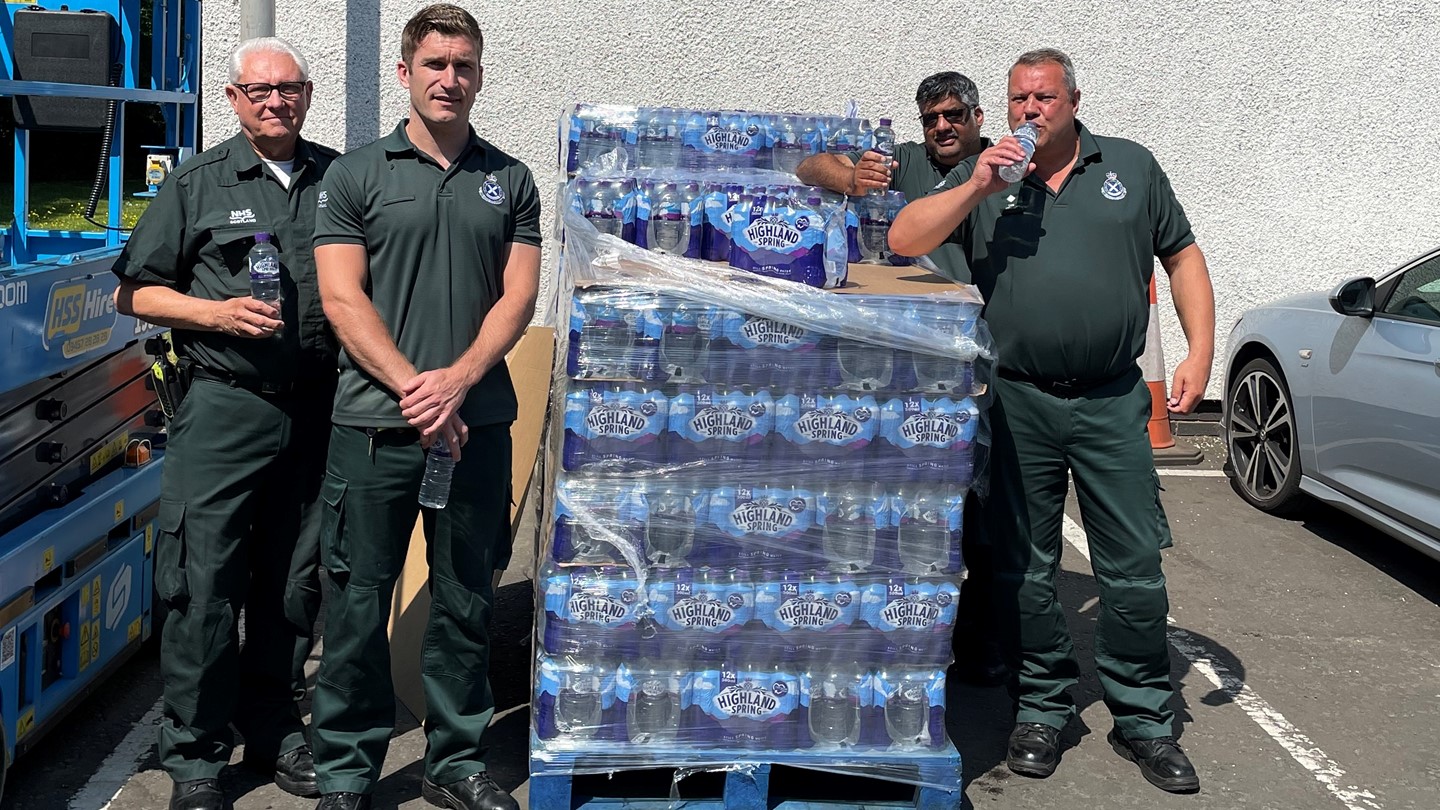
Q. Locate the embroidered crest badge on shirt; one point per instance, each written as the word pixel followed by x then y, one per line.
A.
pixel 491 190
pixel 1112 188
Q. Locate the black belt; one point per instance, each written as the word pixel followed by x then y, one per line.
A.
pixel 304 382
pixel 1065 389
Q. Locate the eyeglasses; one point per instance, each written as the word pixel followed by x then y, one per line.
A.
pixel 959 116
pixel 260 91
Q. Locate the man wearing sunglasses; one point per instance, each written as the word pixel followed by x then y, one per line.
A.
pixel 951 117
pixel 246 455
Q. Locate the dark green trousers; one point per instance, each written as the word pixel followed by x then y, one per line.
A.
pixel 238 529
pixel 371 488
pixel 1099 438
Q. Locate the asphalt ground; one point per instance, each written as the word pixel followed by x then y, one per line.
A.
pixel 1304 652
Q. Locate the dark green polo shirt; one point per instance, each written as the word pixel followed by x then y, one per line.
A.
pixel 917 176
pixel 1066 275
pixel 195 237
pixel 437 242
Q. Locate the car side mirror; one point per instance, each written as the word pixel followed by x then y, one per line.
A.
pixel 1354 297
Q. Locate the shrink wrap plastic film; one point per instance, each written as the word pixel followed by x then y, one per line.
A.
pixel 685 138
pixel 753 219
pixel 751 544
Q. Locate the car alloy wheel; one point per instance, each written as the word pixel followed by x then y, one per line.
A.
pixel 1261 437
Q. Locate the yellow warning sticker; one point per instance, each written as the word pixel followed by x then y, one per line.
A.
pixel 149 538
pixel 119 509
pixel 26 724
pixel 95 599
pixel 47 560
pixel 85 601
pixel 84 646
pixel 95 642
pixel 133 631
pixel 108 452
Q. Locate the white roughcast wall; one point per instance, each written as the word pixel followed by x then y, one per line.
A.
pixel 1269 115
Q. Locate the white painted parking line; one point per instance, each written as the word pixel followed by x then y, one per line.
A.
pixel 1189 472
pixel 112 775
pixel 1300 747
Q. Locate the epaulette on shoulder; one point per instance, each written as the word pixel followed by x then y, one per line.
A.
pixel 210 156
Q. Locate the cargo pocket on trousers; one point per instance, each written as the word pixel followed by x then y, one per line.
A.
pixel 332 525
pixel 1162 523
pixel 171 584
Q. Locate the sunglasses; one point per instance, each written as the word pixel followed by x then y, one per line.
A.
pixel 959 116
pixel 260 91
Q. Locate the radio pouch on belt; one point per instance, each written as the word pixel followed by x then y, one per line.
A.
pixel 169 375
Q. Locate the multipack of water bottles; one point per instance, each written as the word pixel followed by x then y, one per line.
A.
pixel 753 219
pixel 753 517
pixel 701 139
pixel 720 186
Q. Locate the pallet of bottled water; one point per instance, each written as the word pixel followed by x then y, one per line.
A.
pixel 753 522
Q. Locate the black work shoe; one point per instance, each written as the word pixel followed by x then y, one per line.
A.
pixel 1161 762
pixel 198 794
pixel 294 771
pixel 1033 750
pixel 475 792
pixel 344 801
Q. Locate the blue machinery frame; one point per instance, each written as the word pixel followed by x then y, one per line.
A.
pixel 83 572
pixel 175 51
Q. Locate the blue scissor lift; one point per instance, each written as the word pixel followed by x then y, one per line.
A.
pixel 81 436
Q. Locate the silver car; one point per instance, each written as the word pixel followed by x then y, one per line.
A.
pixel 1338 397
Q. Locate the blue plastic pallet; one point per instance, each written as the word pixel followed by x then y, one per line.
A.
pixel 746 788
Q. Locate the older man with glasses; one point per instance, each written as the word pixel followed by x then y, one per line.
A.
pixel 238 523
pixel 951 117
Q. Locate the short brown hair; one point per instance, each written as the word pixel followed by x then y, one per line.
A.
pixel 441 18
pixel 1049 56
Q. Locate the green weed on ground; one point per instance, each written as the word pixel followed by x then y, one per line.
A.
pixel 60 207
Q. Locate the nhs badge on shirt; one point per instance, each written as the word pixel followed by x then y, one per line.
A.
pixel 1112 188
pixel 491 190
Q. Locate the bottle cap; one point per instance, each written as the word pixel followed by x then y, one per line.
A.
pixel 262 237
pixel 884 122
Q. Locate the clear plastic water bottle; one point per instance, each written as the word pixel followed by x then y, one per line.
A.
pixel 1027 134
pixel 789 150
pixel 439 469
pixel 594 138
pixel 264 270
pixel 849 534
pixel 669 220
pixel 683 346
pixel 670 525
pixel 885 146
pixel 835 706
pixel 607 342
pixel 653 710
pixel 923 540
pixel 604 207
pixel 578 706
pixel 864 366
pixel 874 235
pixel 659 145
pixel 907 706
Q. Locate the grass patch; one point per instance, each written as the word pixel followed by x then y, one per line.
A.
pixel 59 206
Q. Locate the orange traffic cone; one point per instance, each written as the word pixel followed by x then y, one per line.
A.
pixel 1152 362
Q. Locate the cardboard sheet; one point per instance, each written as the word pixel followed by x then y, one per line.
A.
pixel 530 364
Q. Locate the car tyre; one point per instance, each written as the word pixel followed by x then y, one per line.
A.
pixel 1262 440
